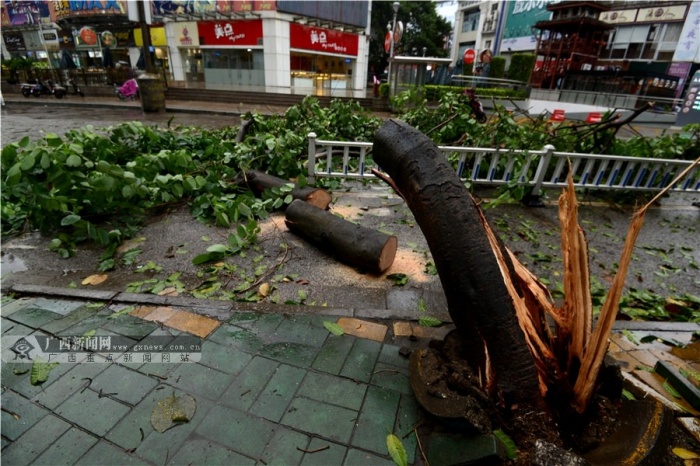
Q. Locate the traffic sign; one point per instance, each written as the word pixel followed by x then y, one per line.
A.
pixel 469 56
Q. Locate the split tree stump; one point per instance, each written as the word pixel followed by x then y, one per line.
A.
pixel 477 297
pixel 258 182
pixel 352 244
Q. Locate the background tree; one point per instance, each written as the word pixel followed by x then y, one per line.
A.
pixel 423 27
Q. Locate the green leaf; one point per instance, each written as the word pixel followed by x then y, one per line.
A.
pixel 73 161
pixel 28 162
pixel 511 449
pixel 122 312
pixel 40 371
pixel 428 321
pixel 171 411
pixel 244 210
pixel 17 371
pixel 208 257
pixel 628 395
pixel 630 336
pixel 400 279
pixel 70 219
pixel 672 391
pixel 396 450
pixel 221 248
pixel 334 328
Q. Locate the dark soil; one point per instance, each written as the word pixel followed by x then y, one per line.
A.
pixel 452 394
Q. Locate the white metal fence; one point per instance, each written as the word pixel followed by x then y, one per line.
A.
pixel 546 168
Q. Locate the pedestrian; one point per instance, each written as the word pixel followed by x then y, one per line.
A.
pixel 485 58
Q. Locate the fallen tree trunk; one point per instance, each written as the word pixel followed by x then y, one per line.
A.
pixel 352 244
pixel 258 182
pixel 477 297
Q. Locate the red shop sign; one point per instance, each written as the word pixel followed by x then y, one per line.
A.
pixel 322 40
pixel 234 33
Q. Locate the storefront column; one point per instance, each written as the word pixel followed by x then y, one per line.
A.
pixel 277 62
pixel 359 74
pixel 176 63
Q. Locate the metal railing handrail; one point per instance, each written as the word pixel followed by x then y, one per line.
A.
pixel 537 169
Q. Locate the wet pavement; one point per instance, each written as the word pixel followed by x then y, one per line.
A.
pixel 271 383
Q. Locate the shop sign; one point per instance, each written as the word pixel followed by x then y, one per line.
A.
pixel 688 47
pixel 519 20
pixel 322 40
pixel 262 5
pixel 124 38
pixel 69 8
pixel 690 108
pixel 66 40
pixel 232 33
pixel 14 41
pixel 618 16
pixel 32 40
pixel 108 39
pixel 27 13
pixel 50 39
pixel 186 33
pixel 86 39
pixel 182 7
pixel 669 13
pixel 158 38
pixel 4 18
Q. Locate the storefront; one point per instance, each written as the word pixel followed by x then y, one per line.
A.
pixel 187 53
pixel 159 50
pixel 322 61
pixel 232 53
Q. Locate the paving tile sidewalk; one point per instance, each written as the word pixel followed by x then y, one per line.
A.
pixel 269 388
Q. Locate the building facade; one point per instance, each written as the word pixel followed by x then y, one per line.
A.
pixel 310 47
pixel 661 37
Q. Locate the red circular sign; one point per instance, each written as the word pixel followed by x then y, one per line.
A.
pixel 387 42
pixel 469 56
pixel 88 36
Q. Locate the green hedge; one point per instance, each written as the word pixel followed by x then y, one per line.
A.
pixel 433 93
pixel 521 66
pixel 498 67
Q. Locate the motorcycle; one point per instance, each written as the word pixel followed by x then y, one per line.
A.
pixel 127 91
pixel 47 88
pixel 476 106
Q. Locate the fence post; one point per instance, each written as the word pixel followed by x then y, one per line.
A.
pixel 312 158
pixel 533 198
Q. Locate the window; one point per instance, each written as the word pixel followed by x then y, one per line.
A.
pixel 673 32
pixel 470 21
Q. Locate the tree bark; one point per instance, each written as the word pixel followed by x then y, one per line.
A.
pixel 477 298
pixel 258 182
pixel 245 128
pixel 352 244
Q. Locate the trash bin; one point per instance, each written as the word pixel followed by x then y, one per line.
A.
pixel 152 91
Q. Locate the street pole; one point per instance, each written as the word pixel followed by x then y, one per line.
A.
pixel 392 34
pixel 151 86
pixel 146 36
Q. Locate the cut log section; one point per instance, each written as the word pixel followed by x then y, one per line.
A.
pixel 352 244
pixel 477 297
pixel 258 182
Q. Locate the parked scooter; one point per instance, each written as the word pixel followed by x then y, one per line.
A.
pixel 127 91
pixel 46 88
